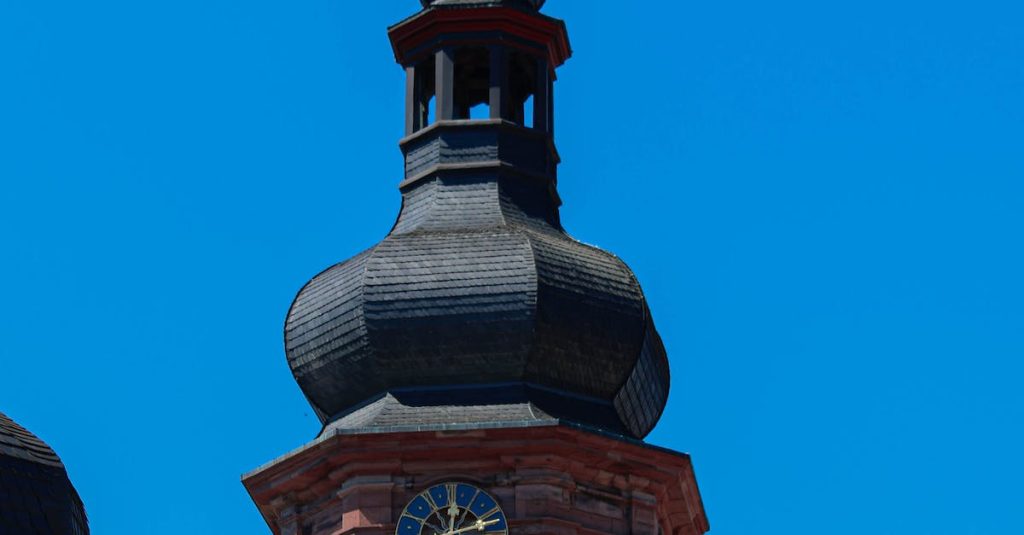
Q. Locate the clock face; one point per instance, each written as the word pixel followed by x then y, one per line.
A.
pixel 452 509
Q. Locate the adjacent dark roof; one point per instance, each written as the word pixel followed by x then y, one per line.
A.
pixel 36 496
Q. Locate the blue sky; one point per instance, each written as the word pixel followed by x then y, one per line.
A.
pixel 823 202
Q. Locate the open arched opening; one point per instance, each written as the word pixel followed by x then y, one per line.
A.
pixel 472 83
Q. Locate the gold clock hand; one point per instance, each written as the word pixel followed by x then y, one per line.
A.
pixel 478 526
pixel 453 513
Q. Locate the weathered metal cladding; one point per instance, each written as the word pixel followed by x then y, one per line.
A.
pixel 36 496
pixel 477 284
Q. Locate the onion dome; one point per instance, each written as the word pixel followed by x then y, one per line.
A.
pixel 36 496
pixel 478 308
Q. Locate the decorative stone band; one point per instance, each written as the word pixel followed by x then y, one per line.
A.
pixel 548 478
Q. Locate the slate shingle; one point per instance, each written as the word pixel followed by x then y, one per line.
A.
pixel 36 496
pixel 478 284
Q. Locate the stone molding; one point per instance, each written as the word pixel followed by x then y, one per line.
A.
pixel 552 479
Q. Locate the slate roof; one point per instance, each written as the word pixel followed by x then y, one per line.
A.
pixel 36 496
pixel 507 403
pixel 478 284
pixel 389 411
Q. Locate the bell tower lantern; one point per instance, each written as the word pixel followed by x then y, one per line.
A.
pixel 487 66
pixel 500 56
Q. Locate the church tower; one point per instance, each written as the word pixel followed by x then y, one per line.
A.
pixel 479 370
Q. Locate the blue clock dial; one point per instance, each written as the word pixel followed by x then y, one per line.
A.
pixel 452 509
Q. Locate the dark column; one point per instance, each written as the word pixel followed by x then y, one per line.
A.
pixel 412 102
pixel 541 96
pixel 551 105
pixel 445 80
pixel 499 83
